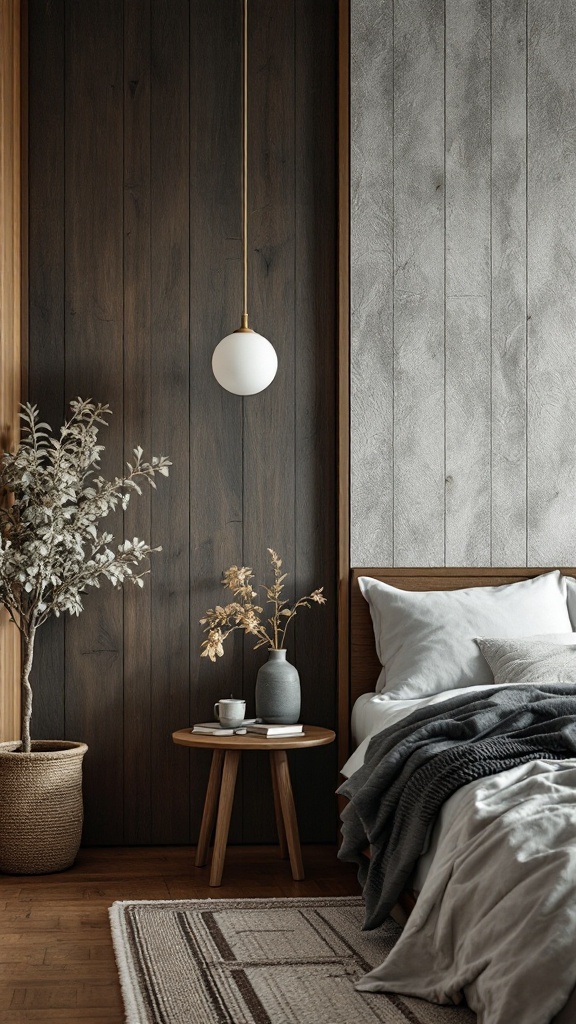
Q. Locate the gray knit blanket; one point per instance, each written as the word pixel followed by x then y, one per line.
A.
pixel 411 768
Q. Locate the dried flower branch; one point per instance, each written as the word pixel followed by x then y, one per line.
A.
pixel 53 499
pixel 244 614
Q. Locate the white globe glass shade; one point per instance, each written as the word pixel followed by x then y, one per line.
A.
pixel 244 363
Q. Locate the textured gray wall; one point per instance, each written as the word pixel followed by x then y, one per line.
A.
pixel 463 282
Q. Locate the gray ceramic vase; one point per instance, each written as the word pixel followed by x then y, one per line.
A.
pixel 278 691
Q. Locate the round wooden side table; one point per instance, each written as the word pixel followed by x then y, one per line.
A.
pixel 226 752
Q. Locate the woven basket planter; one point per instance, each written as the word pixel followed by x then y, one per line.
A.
pixel 40 806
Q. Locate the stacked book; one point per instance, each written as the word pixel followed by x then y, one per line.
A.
pixel 263 729
pixel 250 726
pixel 215 729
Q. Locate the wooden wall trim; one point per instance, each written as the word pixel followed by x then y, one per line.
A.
pixel 343 377
pixel 23 207
pixel 11 311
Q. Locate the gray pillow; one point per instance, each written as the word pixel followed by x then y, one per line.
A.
pixel 550 659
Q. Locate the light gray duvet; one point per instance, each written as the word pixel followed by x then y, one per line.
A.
pixel 496 918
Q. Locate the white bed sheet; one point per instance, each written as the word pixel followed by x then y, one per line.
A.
pixel 373 712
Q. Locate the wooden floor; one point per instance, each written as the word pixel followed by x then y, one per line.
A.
pixel 56 958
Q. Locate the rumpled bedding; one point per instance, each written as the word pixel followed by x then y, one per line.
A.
pixel 495 921
pixel 411 769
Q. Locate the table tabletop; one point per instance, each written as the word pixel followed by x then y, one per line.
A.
pixel 312 736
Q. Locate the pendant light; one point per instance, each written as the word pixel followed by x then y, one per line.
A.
pixel 244 362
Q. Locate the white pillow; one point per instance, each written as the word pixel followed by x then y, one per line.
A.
pixel 550 658
pixel 425 640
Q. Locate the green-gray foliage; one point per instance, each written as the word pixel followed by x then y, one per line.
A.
pixel 51 547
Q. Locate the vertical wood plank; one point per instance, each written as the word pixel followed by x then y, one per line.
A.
pixel 418 282
pixel 23 74
pixel 371 283
pixel 46 370
pixel 315 386
pixel 508 228
pixel 468 356
pixel 216 304
pixel 551 297
pixel 138 617
pixel 170 355
pixel 269 418
pixel 10 317
pixel 94 321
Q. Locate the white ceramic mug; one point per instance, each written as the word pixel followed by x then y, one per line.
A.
pixel 230 712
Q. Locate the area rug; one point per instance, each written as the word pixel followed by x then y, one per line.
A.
pixel 279 961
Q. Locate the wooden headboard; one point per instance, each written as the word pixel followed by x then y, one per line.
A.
pixel 359 672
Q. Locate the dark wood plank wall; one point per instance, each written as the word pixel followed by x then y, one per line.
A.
pixel 134 278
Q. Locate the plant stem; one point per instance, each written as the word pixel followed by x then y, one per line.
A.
pixel 27 689
pixel 276 608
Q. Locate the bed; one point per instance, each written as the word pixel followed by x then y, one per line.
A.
pixel 445 951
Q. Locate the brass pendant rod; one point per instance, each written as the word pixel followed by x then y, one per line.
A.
pixel 245 159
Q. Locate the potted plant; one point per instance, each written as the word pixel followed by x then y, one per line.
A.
pixel 277 691
pixel 52 498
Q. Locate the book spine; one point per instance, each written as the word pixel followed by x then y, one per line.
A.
pixel 275 732
pixel 213 732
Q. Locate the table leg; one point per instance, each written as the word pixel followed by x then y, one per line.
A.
pixel 210 807
pixel 288 812
pixel 224 811
pixel 278 808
